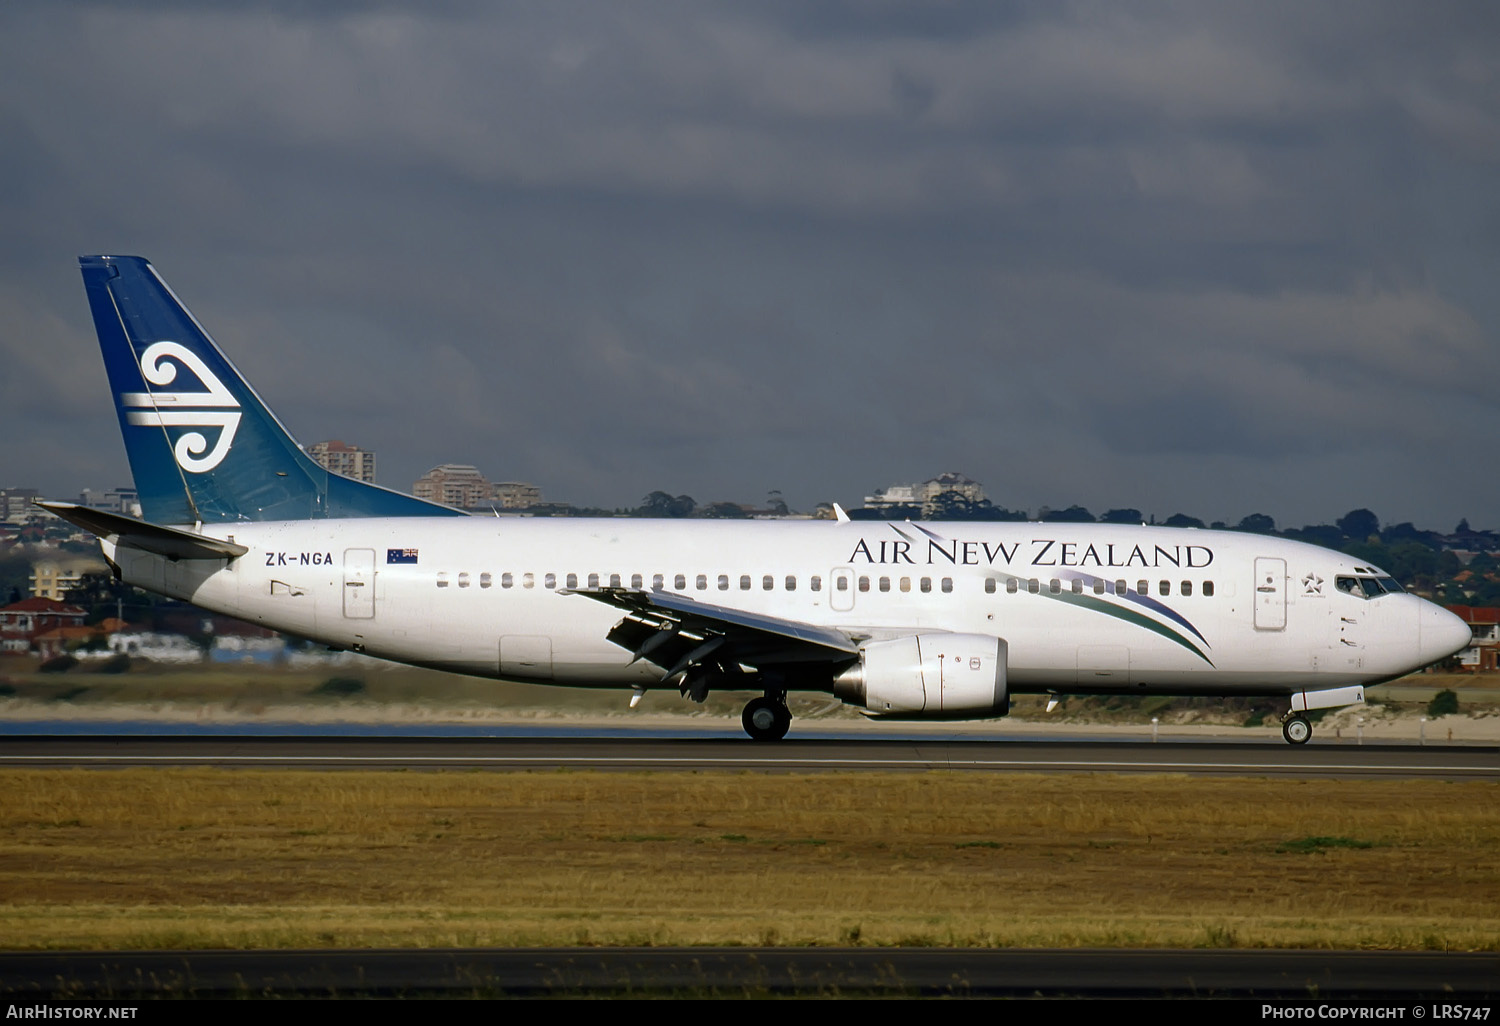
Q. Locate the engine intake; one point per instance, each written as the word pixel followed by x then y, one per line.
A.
pixel 929 676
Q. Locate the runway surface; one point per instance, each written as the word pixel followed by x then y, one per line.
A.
pixel 802 756
pixel 754 972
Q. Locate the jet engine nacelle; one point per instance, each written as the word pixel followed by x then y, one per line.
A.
pixel 928 676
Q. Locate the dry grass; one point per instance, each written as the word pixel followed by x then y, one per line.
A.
pixel 232 858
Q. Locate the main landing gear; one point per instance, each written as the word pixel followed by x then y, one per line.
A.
pixel 767 719
pixel 1296 729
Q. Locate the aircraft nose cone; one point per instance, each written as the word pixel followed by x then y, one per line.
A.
pixel 1441 633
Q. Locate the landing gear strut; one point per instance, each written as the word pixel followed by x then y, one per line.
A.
pixel 766 719
pixel 1296 730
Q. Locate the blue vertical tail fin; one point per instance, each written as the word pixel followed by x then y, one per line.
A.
pixel 203 447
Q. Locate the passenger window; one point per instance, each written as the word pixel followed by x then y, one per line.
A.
pixel 572 581
pixel 550 581
pixel 791 582
pixel 680 582
pixel 841 583
pixel 1098 586
pixel 864 583
pixel 507 579
pixel 528 580
pixel 1034 586
pixel 1187 587
pixel 744 582
pixel 484 580
pixel 816 583
pixel 1208 589
pixel 1165 588
pixel 947 584
pixel 1077 586
pixel 614 580
pixel 1143 587
pixel 442 580
pixel 1055 586
pixel 702 582
pixel 635 581
pixel 926 585
pixel 723 582
pixel 593 580
pixel 463 580
pixel 906 584
pixel 989 586
pixel 1012 585
pixel 767 583
pixel 885 584
pixel 1121 587
pixel 658 581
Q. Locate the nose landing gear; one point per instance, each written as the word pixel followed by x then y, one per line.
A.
pixel 1296 729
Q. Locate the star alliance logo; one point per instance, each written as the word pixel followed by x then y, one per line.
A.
pixel 210 408
pixel 1312 584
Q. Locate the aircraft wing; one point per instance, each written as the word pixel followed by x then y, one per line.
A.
pixel 679 634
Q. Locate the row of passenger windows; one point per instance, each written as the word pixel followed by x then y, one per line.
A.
pixel 924 585
pixel 1099 587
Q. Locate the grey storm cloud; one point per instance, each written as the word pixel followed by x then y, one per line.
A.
pixel 1219 259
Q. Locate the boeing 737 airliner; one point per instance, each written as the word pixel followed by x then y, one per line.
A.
pixel 927 620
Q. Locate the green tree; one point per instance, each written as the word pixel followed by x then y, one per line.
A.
pixel 1071 515
pixel 1359 524
pixel 1257 523
pixel 661 505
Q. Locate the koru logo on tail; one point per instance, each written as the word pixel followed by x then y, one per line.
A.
pixel 214 407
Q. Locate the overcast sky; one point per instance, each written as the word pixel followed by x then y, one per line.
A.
pixel 1211 258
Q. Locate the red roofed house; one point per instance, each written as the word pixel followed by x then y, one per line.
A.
pixel 21 622
pixel 1483 654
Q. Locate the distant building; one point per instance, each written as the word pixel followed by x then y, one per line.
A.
pixel 17 505
pixel 52 577
pixel 927 493
pixel 117 500
pixel 516 495
pixel 89 642
pixel 342 458
pixel 950 483
pixel 454 484
pixel 1483 653
pixel 893 495
pixel 463 486
pixel 21 623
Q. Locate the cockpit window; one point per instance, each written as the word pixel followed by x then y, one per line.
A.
pixel 1369 587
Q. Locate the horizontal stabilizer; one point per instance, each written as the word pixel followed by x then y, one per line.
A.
pixel 137 534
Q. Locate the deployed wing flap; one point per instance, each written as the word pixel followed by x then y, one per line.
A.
pixel 676 632
pixel 138 534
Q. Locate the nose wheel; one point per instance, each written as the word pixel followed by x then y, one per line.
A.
pixel 1296 730
pixel 766 719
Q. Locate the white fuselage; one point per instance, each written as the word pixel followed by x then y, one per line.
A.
pixel 1082 607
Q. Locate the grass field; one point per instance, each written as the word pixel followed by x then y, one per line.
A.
pixel 239 858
